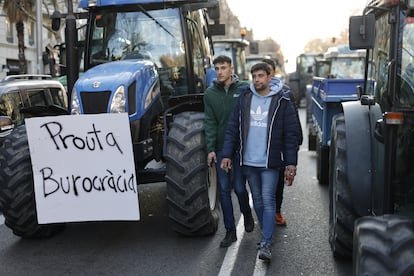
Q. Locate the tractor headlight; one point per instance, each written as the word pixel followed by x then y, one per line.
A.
pixel 118 101
pixel 75 106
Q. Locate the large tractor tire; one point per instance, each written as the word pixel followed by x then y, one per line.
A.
pixel 383 246
pixel 192 191
pixel 17 197
pixel 342 214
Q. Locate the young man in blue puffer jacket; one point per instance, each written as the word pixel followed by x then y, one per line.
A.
pixel 264 126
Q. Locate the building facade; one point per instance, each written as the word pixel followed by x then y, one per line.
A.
pixel 9 54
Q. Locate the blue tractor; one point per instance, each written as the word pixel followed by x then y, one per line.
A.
pixel 151 59
pixel 371 181
pixel 337 82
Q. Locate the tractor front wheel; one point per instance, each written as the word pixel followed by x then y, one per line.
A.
pixel 17 196
pixel 342 214
pixel 192 191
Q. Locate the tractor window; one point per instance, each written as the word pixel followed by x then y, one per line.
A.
pixel 380 61
pixel 150 35
pixel 240 64
pixel 406 95
pixel 403 187
pixel 10 104
pixel 198 47
pixel 348 68
pixel 153 35
pixel 322 69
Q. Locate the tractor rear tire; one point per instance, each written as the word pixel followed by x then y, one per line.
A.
pixel 192 191
pixel 17 196
pixel 383 246
pixel 342 214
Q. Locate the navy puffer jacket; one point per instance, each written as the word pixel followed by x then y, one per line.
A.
pixel 282 129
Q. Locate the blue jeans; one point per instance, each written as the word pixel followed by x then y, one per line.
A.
pixel 227 181
pixel 263 183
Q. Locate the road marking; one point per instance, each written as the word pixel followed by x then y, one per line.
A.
pixel 1 220
pixel 260 267
pixel 232 251
pixel 229 261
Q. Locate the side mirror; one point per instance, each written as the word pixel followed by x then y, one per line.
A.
pixel 6 126
pixel 56 16
pixel 362 32
pixel 214 12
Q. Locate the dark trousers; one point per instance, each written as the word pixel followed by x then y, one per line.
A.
pixel 279 190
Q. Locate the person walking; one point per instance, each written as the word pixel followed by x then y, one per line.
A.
pixel 264 127
pixel 219 100
pixel 279 218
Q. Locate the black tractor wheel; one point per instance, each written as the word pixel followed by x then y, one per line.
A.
pixel 342 214
pixel 192 191
pixel 17 197
pixel 383 246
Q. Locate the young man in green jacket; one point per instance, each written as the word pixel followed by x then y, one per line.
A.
pixel 219 100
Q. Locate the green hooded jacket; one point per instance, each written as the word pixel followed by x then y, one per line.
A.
pixel 218 104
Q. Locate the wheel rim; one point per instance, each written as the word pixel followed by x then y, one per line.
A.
pixel 212 186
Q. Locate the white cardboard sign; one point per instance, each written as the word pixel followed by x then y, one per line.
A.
pixel 83 168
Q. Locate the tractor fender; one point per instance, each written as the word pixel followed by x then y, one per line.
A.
pixel 359 126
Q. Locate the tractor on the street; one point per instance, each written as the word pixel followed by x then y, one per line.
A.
pixel 337 82
pixel 302 77
pixel 235 48
pixel 371 181
pixel 151 60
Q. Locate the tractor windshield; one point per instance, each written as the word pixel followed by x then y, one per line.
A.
pixel 348 68
pixel 152 35
pixel 306 61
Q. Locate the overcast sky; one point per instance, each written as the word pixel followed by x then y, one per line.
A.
pixel 293 23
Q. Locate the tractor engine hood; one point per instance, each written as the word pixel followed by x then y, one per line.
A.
pixel 119 86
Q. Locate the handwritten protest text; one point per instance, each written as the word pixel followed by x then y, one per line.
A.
pixel 76 184
pixel 93 140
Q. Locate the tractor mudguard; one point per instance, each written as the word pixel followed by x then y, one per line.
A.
pixel 359 125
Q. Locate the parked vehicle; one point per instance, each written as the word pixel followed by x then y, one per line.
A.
pixel 343 74
pixel 152 60
pixel 303 75
pixel 371 181
pixel 235 49
pixel 29 95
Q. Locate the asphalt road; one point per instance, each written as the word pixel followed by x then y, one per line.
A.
pixel 149 247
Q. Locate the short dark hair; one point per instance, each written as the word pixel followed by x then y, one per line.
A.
pixel 271 62
pixel 222 59
pixel 260 66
